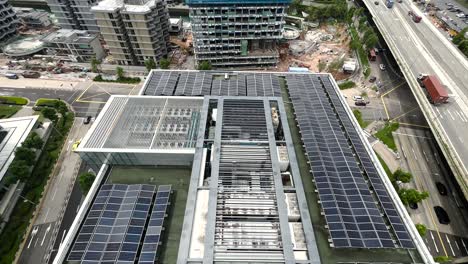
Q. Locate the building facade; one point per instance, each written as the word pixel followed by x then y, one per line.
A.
pixel 74 14
pixel 237 33
pixel 8 21
pixel 33 18
pixel 79 45
pixel 134 31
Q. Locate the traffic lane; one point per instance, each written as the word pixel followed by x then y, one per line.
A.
pixel 87 109
pixel 37 243
pixel 34 94
pixel 456 246
pixel 70 212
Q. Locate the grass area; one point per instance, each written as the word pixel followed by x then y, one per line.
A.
pixel 328 254
pixel 46 102
pixel 129 80
pixel 7 111
pixel 385 166
pixel 179 178
pixel 16 227
pixel 358 116
pixel 13 100
pixel 347 85
pixel 386 136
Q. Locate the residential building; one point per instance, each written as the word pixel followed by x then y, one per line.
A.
pixel 237 33
pixel 33 18
pixel 78 45
pixel 134 30
pixel 74 14
pixel 8 21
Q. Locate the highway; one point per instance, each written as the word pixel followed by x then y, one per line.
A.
pixel 423 49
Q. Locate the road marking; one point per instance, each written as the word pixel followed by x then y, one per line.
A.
pixel 55 192
pixel 460 139
pixel 435 244
pixel 63 237
pixel 439 114
pixel 409 135
pixel 414 153
pixel 462 116
pixel 48 209
pixel 404 153
pixel 450 113
pixel 463 243
pixel 45 234
pixel 450 244
pixel 456 244
pixel 425 156
pixel 33 233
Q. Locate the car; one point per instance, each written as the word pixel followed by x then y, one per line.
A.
pixel 376 2
pixel 11 76
pixel 442 215
pixel 461 15
pixel 372 79
pixel 400 1
pixel 360 103
pixel 87 120
pixel 357 97
pixel 76 144
pixel 413 206
pixel 382 67
pixel 441 188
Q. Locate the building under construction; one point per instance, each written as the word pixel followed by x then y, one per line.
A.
pixel 240 33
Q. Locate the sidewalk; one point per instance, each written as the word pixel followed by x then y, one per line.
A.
pixel 37 83
pixel 387 155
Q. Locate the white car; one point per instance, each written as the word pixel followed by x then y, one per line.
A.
pixel 357 97
pixel 461 15
pixel 382 67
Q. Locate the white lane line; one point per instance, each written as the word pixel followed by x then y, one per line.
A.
pixel 460 139
pixel 63 237
pixel 433 240
pixel 456 244
pixel 450 244
pixel 48 209
pixel 409 135
pixel 45 234
pixel 462 116
pixel 450 113
pixel 463 243
pixel 414 153
pixel 425 156
pixel 33 233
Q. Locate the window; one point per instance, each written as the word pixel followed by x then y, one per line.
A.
pixel 114 24
pixel 111 16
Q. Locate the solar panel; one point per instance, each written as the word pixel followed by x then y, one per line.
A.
pixel 353 218
pixel 114 226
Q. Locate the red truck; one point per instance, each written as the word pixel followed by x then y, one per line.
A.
pixel 435 91
pixel 414 16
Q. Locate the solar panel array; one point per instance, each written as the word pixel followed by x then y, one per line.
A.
pixel 115 225
pixel 349 205
pixel 244 119
pixel 155 226
pixel 189 83
pixel 370 170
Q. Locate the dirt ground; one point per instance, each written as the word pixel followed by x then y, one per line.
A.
pixel 329 48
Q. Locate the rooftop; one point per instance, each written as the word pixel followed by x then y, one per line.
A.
pixel 14 131
pixel 126 6
pixel 69 36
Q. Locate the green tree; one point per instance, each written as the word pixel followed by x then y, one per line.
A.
pixel 371 41
pixel 442 259
pixel 403 176
pixel 50 114
pixel 410 196
pixel 150 64
pixel 120 73
pixel 86 180
pixel 95 65
pixel 204 66
pixel 164 63
pixel 19 169
pixel 350 15
pixel 460 36
pixel 25 154
pixel 61 106
pixel 421 229
pixel 33 141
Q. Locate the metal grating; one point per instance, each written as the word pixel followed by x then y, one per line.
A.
pixel 353 218
pixel 162 83
pixel 244 119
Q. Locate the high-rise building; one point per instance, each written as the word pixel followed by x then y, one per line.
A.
pixel 239 33
pixel 134 30
pixel 74 14
pixel 8 21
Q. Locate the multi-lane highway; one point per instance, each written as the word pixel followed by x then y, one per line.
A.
pixel 421 48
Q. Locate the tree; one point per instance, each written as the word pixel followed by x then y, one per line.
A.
pixel 150 64
pixel 371 41
pixel 33 141
pixel 403 176
pixel 50 114
pixel 120 72
pixel 95 64
pixel 19 169
pixel 61 106
pixel 204 66
pixel 421 229
pixel 164 63
pixel 25 154
pixel 86 180
pixel 412 196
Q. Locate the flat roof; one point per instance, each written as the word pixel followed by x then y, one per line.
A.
pixel 144 124
pixel 14 132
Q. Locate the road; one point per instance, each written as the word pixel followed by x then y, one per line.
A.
pixel 425 50
pixel 50 214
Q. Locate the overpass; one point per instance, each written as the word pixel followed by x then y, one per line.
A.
pixel 422 48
